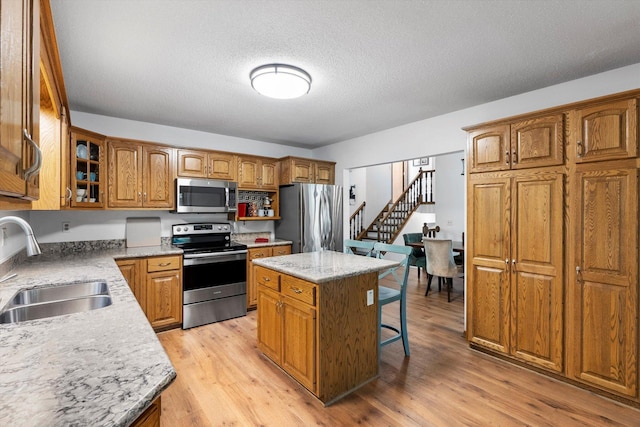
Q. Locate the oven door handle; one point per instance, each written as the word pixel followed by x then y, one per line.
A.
pixel 210 258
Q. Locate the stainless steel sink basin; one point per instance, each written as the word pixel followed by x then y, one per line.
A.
pixel 50 301
pixel 23 313
pixel 58 293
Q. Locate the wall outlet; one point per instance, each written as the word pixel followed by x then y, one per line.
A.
pixel 370 297
pixel 66 227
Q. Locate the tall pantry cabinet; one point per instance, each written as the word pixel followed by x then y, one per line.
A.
pixel 552 265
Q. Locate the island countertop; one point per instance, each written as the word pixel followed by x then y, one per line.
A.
pixel 101 368
pixel 324 266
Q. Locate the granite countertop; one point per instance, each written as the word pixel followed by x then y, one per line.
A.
pixel 101 368
pixel 319 267
pixel 272 242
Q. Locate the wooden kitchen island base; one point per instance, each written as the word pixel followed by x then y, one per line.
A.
pixel 321 332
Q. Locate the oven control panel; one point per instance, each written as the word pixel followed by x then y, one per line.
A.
pixel 203 228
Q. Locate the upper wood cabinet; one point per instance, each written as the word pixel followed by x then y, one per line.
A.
pixel 257 173
pixel 20 155
pixel 296 169
pixel 533 142
pixel 206 164
pixel 140 175
pixel 605 131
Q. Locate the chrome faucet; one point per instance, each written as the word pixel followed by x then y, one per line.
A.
pixel 32 244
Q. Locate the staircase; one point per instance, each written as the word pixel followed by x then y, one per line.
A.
pixel 391 220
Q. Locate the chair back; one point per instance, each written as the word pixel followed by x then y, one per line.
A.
pixel 358 247
pixel 414 238
pixel 383 248
pixel 439 255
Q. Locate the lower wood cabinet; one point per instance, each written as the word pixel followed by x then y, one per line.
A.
pixel 150 417
pixel 323 335
pixel 157 284
pixel 255 253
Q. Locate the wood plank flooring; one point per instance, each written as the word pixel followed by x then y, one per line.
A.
pixel 224 380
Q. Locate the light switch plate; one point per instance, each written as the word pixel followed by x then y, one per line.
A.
pixel 370 297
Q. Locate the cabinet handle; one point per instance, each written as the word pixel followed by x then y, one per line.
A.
pixel 506 157
pixel 37 162
pixel 164 264
pixel 296 290
pixel 579 149
pixel 69 194
pixel 514 157
pixel 506 261
pixel 266 279
pixel 139 196
pixel 144 196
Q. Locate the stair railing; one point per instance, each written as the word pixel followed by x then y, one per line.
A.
pixel 356 221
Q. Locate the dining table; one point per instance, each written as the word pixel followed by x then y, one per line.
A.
pixel 457 246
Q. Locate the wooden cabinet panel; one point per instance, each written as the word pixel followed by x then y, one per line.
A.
pixel 297 169
pixel 281 250
pixel 294 288
pixel 298 341
pixel 88 158
pixel 133 272
pixel 206 164
pixel 150 417
pixel 157 179
pixel 267 277
pixel 257 173
pixel 488 149
pixel 269 323
pixel 489 256
pixel 269 175
pixel 536 270
pixel 537 142
pixel 164 299
pixel 164 263
pixel 605 281
pixel 325 173
pixel 125 175
pixel 607 131
pixel 19 95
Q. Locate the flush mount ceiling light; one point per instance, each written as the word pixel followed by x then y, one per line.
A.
pixel 280 81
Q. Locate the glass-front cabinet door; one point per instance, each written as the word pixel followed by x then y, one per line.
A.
pixel 88 173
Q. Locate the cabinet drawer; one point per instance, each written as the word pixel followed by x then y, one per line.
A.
pixel 281 250
pixel 268 278
pixel 163 263
pixel 299 289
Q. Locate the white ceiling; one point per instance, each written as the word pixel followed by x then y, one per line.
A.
pixel 375 64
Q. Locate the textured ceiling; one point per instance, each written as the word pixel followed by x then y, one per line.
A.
pixel 375 64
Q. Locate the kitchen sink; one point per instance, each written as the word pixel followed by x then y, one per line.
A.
pixel 50 301
pixel 57 293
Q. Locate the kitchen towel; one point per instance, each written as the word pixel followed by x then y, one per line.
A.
pixel 143 232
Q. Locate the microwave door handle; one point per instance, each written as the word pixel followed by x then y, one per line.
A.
pixel 226 195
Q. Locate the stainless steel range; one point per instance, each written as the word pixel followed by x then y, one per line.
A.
pixel 214 274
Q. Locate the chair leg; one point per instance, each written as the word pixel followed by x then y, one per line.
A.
pixel 439 283
pixel 403 324
pixel 418 273
pixel 449 286
pixel 429 278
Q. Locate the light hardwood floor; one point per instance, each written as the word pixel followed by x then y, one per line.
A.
pixel 224 380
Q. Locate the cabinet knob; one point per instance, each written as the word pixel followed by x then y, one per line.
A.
pixel 514 158
pixel 506 157
pixel 296 290
pixel 579 149
pixel 266 279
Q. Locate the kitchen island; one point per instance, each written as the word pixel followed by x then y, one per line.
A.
pixel 102 367
pixel 318 318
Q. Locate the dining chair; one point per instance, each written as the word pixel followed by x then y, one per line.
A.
pixel 388 295
pixel 417 257
pixel 440 263
pixel 358 247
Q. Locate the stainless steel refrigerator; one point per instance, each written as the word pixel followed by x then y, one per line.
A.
pixel 311 217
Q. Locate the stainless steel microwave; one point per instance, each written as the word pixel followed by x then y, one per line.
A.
pixel 206 196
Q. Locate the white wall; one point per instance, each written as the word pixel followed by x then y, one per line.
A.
pixel 111 126
pixel 449 193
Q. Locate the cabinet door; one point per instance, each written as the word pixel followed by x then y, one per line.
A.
pixel 252 287
pixel 248 172
pixel 604 279
pixel 157 177
pixel 222 166
pixel 269 324
pixel 164 298
pixel 19 34
pixel 536 269
pixel 489 228
pixel 607 131
pixel 325 173
pixel 302 170
pixel 489 149
pixel 87 170
pixel 132 272
pixel 192 163
pixel 537 142
pixel 269 175
pixel 298 341
pixel 125 177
